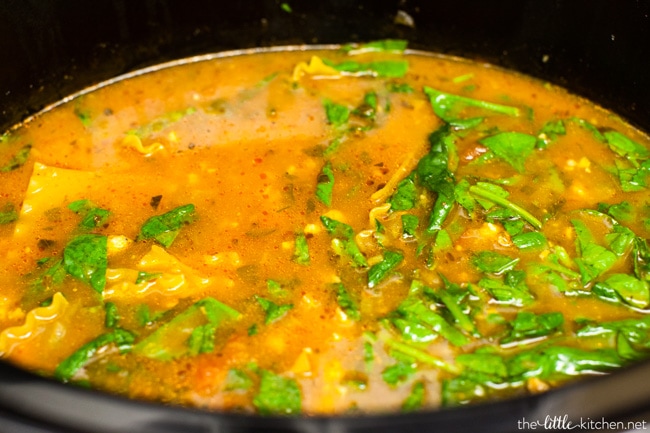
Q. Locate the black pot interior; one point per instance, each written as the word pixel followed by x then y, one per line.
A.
pixel 596 48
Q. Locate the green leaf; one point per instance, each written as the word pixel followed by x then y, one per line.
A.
pixel 620 240
pixel 463 197
pixel 594 260
pixel 554 361
pixel 453 296
pixel 493 262
pixel 549 133
pixel 529 240
pixel 380 68
pixel 528 325
pixel 85 257
pixel 202 339
pixel 421 324
pixel 8 214
pixel 410 224
pixel 624 146
pixel 398 372
pixel 18 160
pixel 277 395
pixel 480 192
pixel 379 271
pixel 368 108
pixel 631 290
pixel 301 250
pixel 507 292
pixel 486 363
pixel 415 399
pixel 450 108
pixel 405 195
pixel 237 380
pixel 345 233
pixel 69 366
pixel 512 147
pixel 495 190
pixel 337 114
pixel 273 311
pixel 346 303
pixel 633 179
pixel 144 277
pixel 175 339
pixel 382 46
pixel 325 184
pixel 92 216
pixel 399 87
pixel 164 228
pixel 112 315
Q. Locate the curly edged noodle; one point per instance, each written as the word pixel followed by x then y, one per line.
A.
pixel 36 321
pixel 159 274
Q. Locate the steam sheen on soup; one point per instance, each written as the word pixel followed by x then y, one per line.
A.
pixel 323 232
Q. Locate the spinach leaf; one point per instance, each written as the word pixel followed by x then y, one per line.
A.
pixel 405 195
pixel 18 160
pixel 635 178
pixel 433 173
pixel 112 315
pixel 325 184
pixel 344 234
pixel 528 325
pixel 453 297
pixel 237 380
pixel 415 399
pixel 164 228
pixel 488 204
pixel 410 224
pixel 346 303
pixel 482 192
pixel 557 361
pixel 493 262
pixel 399 87
pixel 202 339
pixel 92 216
pixel 379 271
pixel 173 339
pixel 512 290
pixel 463 197
pixel 641 254
pixel 273 311
pixel 418 323
pixel 450 107
pixel 277 395
pixel 624 287
pixel 549 133
pixel 301 250
pixel 625 147
pixel 398 372
pixel 8 214
pixel 594 260
pixel 85 257
pixel 529 240
pixel 337 114
pixel 382 46
pixel 620 239
pixel 144 277
pixel 368 108
pixel 512 147
pixel 379 68
pixel 67 368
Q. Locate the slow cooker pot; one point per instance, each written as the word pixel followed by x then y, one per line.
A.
pixel 596 48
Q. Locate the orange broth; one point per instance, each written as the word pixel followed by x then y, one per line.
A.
pixel 303 313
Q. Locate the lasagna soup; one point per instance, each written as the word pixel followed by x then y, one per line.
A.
pixel 324 231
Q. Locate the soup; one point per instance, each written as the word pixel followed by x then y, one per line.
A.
pixel 359 229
